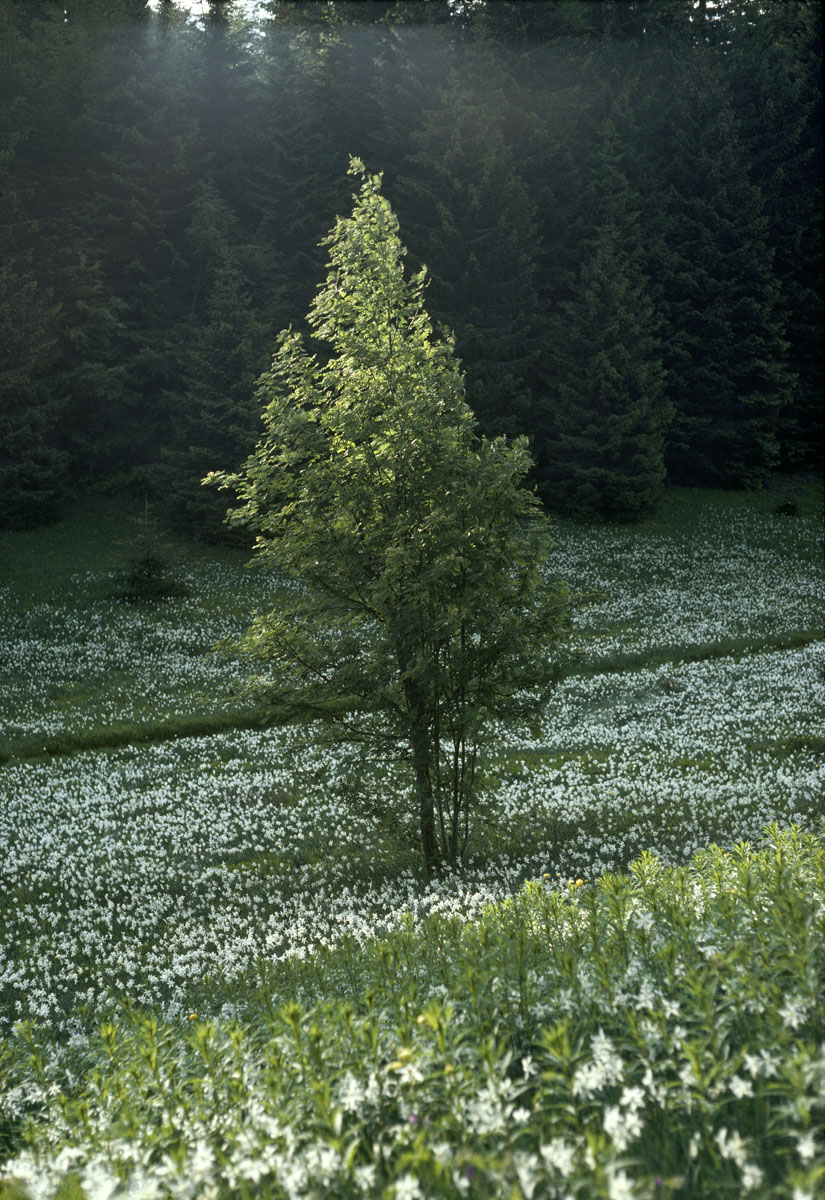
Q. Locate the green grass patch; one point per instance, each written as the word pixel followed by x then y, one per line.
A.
pixel 733 647
pixel 91 539
pixel 111 737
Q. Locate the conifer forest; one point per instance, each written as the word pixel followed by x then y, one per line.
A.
pixel 618 202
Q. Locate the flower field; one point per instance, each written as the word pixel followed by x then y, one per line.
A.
pixel 222 972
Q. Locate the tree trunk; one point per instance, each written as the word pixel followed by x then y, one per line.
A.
pixel 424 788
pixel 418 732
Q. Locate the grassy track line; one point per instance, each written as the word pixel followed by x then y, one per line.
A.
pixel 703 652
pixel 38 745
pixel 110 738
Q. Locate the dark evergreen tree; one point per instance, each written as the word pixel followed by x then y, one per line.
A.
pixel 216 416
pixel 601 423
pixel 229 104
pixel 315 111
pixel 724 349
pixel 772 61
pixel 125 330
pixel 471 219
pixel 32 465
pixel 146 158
pixel 147 573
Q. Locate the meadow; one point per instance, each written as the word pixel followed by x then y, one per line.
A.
pixel 223 972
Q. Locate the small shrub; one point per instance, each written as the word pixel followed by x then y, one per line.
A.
pixel 788 508
pixel 147 575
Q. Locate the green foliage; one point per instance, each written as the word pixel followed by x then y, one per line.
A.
pixel 215 416
pixel 773 60
pixel 416 550
pixel 725 350
pixel 32 464
pixel 127 352
pixel 470 216
pixel 147 574
pixel 600 426
pixel 162 873
pixel 659 1032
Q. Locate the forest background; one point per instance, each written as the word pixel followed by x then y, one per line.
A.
pixel 619 204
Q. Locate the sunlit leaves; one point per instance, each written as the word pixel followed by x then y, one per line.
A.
pixel 405 529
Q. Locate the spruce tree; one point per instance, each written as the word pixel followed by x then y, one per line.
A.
pixel 145 159
pixel 473 222
pixel 215 416
pixel 601 422
pixel 316 110
pixel 725 349
pixel 772 61
pixel 32 464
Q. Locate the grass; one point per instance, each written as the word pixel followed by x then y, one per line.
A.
pixel 90 540
pixel 39 746
pixel 222 971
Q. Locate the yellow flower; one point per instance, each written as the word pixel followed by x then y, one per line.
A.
pixel 404 1055
pixel 193 1016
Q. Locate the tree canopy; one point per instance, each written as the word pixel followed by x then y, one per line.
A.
pixel 419 609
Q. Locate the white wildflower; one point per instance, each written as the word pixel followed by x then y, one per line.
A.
pixel 622 1126
pixel 528 1066
pixel 619 1186
pixel 202 1160
pixel 407 1188
pixel 365 1177
pixel 753 1064
pixel 632 1097
pixel 526 1166
pixel 647 996
pixel 733 1146
pixel 770 1064
pixel 793 1012
pixel 351 1094
pixel 254 1169
pixel 98 1181
pixel 806 1147
pixel 687 1074
pixel 752 1176
pixel 558 1155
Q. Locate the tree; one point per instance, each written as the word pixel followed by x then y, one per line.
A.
pixel 772 57
pixel 421 610
pixel 145 156
pixel 215 417
pixel 315 102
pixel 724 348
pixel 147 575
pixel 474 223
pixel 600 428
pixel 32 465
